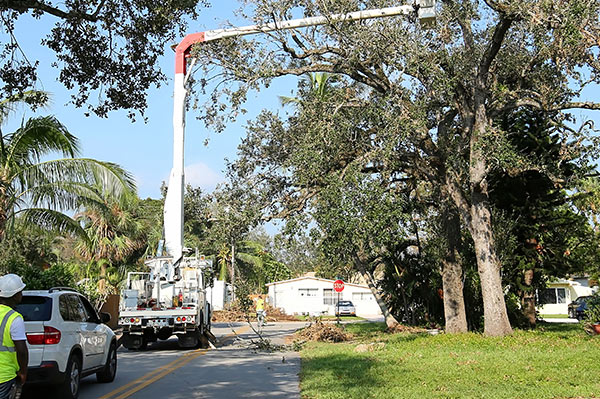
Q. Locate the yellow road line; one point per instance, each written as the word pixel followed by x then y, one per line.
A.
pixel 153 376
pixel 160 375
pixel 148 375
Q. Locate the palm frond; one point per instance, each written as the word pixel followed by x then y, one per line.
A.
pixel 254 260
pixel 63 195
pixel 32 97
pixel 80 173
pixel 38 137
pixel 51 220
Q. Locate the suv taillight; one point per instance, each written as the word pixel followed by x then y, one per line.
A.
pixel 50 336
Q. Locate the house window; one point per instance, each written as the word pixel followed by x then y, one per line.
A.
pixel 553 296
pixel 328 297
pixel 308 291
pixel 362 296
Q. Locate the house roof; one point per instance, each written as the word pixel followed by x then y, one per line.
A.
pixel 314 278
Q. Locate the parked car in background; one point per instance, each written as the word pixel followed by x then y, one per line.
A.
pixel 67 340
pixel 345 308
pixel 578 307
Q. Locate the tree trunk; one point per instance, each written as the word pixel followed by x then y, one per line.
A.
pixel 232 272
pixel 405 303
pixel 496 321
pixel 454 302
pixel 528 298
pixel 390 320
pixel 477 216
pixel 102 281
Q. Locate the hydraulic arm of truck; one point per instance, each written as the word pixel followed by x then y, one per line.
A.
pixel 173 212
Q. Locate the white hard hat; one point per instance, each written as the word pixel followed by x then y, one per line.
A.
pixel 10 284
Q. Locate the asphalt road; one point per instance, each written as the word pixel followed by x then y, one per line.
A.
pixel 236 369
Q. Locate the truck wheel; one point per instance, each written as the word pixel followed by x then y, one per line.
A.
pixel 188 340
pixel 109 371
pixel 134 342
pixel 164 333
pixel 143 345
pixel 69 389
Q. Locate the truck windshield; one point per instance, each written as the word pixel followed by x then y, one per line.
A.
pixel 35 308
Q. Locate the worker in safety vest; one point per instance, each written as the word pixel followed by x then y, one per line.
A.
pixel 13 349
pixel 260 305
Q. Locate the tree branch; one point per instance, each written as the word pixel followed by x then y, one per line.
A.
pixel 26 5
pixel 492 50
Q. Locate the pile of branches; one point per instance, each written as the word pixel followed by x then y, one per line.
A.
pixel 325 332
pixel 276 314
pixel 231 314
pixel 235 313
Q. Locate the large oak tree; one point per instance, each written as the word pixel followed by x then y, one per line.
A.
pixel 439 88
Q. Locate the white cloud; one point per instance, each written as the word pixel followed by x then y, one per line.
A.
pixel 201 175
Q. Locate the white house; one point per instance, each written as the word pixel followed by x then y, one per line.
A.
pixel 312 295
pixel 219 294
pixel 556 297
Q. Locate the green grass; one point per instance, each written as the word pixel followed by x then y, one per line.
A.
pixel 554 316
pixel 555 361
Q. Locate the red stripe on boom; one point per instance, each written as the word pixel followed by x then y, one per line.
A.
pixel 183 49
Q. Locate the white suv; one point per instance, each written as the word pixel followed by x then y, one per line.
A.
pixel 66 340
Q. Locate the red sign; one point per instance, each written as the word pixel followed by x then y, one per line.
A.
pixel 338 285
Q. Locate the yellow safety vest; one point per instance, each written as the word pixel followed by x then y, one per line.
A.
pixel 8 354
pixel 260 304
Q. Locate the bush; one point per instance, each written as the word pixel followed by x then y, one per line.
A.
pixel 592 314
pixel 36 278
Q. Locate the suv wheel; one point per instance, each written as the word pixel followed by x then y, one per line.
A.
pixel 110 368
pixel 70 387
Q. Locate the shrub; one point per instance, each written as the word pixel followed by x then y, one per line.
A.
pixel 592 314
pixel 36 278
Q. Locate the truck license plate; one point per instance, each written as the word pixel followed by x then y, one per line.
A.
pixel 158 323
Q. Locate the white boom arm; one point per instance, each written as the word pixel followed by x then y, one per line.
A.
pixel 173 212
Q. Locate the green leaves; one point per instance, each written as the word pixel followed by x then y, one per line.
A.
pixel 41 190
pixel 107 49
pixel 39 136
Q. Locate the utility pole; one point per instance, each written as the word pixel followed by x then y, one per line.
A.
pixel 173 211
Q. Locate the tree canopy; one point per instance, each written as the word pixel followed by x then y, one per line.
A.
pixel 108 48
pixel 418 102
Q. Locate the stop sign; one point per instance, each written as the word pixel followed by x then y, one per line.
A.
pixel 338 285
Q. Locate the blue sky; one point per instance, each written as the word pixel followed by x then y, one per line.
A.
pixel 145 149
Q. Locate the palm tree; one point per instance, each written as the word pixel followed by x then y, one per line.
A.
pixel 254 262
pixel 318 84
pixel 114 235
pixel 40 190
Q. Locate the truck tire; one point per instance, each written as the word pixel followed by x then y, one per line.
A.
pixel 188 340
pixel 143 345
pixel 69 389
pixel 164 333
pixel 138 342
pixel 109 371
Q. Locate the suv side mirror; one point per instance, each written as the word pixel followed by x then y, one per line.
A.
pixel 104 317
